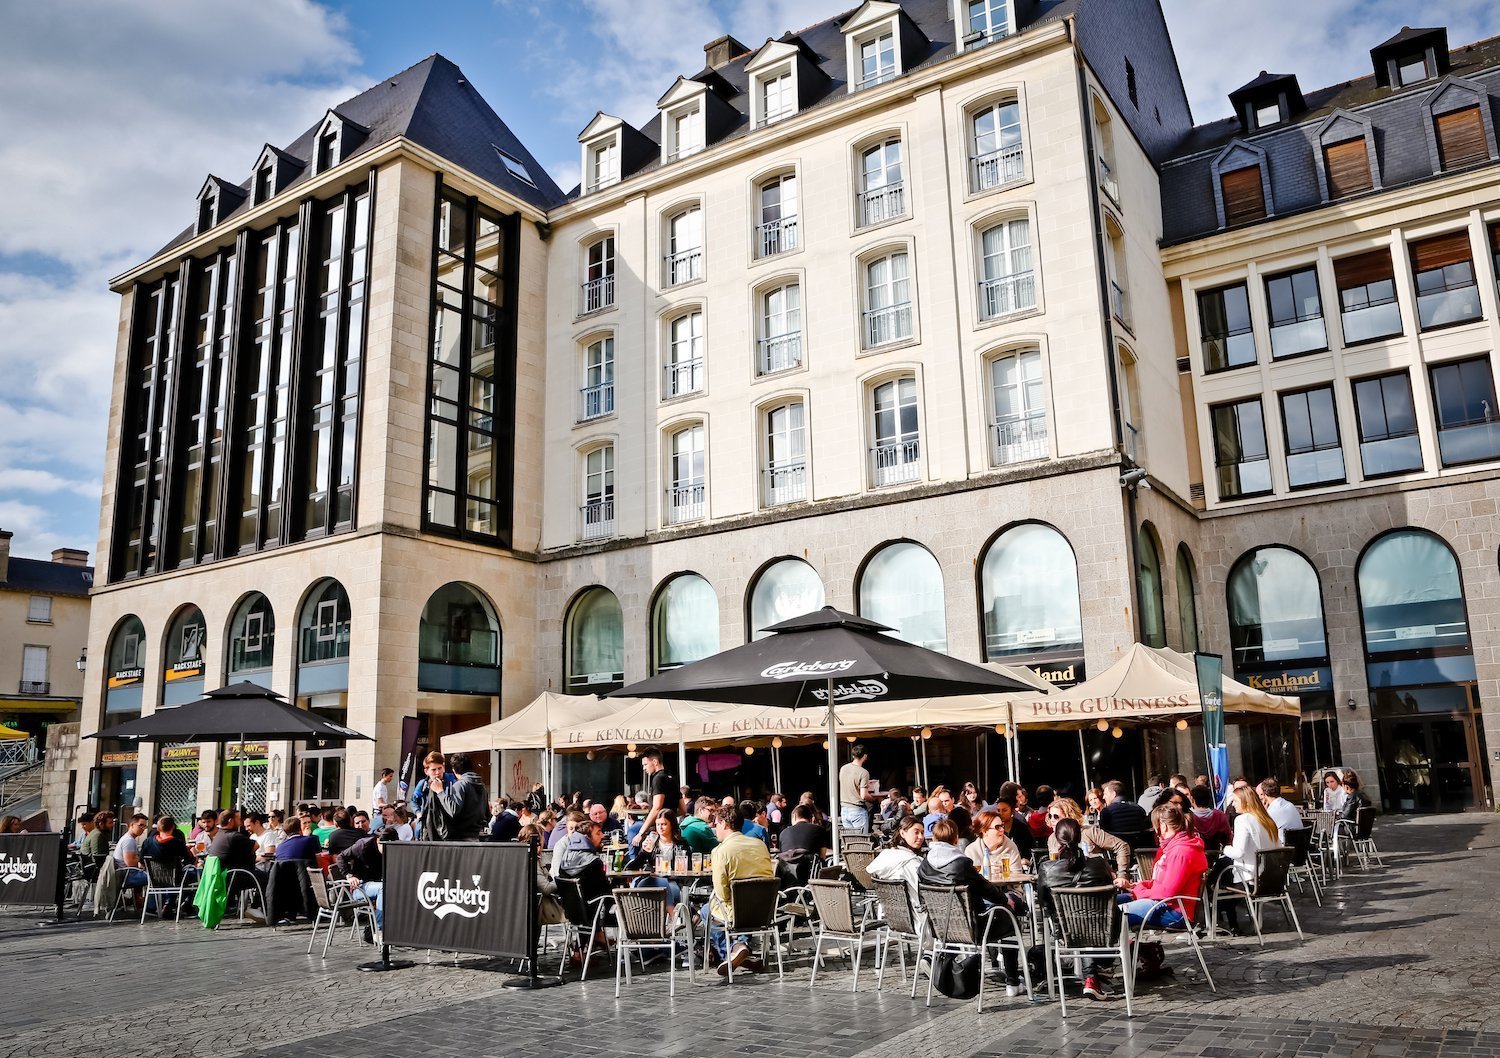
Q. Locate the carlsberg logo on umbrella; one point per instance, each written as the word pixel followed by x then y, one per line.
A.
pixel 792 669
pixel 450 897
pixel 14 870
pixel 859 690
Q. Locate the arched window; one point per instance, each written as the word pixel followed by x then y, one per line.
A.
pixel 1029 594
pixel 785 589
pixel 902 587
pixel 323 629
pixel 458 643
pixel 1148 569
pixel 596 643
pixel 684 622
pixel 252 635
pixel 1275 609
pixel 183 657
pixel 126 670
pixel 1410 595
pixel 1187 602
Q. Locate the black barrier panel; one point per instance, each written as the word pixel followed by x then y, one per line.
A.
pixel 459 896
pixel 30 868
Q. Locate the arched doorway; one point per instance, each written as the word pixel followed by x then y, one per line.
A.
pixel 324 636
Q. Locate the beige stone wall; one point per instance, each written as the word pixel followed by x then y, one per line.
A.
pixel 64 768
pixel 63 636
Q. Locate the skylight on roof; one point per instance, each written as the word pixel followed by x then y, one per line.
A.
pixel 514 165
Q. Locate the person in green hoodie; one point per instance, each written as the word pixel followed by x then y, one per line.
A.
pixel 697 830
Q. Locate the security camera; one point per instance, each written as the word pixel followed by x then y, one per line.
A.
pixel 1131 478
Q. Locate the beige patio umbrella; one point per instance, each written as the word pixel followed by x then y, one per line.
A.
pixel 531 726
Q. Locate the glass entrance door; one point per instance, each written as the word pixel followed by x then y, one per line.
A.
pixel 1431 763
pixel 320 776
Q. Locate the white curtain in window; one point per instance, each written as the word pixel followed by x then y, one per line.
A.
pixel 1029 591
pixel 902 587
pixel 596 641
pixel 686 622
pixel 787 589
pixel 1410 594
pixel 1007 249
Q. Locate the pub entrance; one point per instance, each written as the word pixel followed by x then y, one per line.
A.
pixel 1431 749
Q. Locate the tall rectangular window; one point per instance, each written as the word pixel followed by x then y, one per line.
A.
pixel 1463 395
pixel 1447 292
pixel 776 224
pixel 996 154
pixel 1347 165
pixel 781 329
pixel 597 394
pixel 598 510
pixel 887 300
pixel 882 192
pixel 685 247
pixel 685 476
pixel 1460 138
pixel 471 380
pixel 897 450
pixel 1244 196
pixel 1313 453
pixel 1007 282
pixel 684 369
pixel 777 98
pixel 986 20
pixel 604 165
pixel 786 454
pixel 34 670
pixel 687 133
pixel 1018 408
pixel 1240 457
pixel 1388 440
pixel 1296 311
pixel 1367 296
pixel 599 275
pixel 1224 327
pixel 877 60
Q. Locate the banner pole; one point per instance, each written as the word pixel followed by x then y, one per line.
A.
pixel 62 869
pixel 835 810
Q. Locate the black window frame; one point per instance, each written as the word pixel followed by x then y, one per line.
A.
pixel 1387 435
pixel 1204 338
pixel 1219 465
pixel 1465 386
pixel 1290 276
pixel 1305 395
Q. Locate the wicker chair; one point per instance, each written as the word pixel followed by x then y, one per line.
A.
pixel 332 904
pixel 585 919
pixel 1299 841
pixel 955 930
pixel 644 923
pixel 857 864
pixel 902 924
pixel 163 879
pixel 1145 863
pixel 855 841
pixel 753 912
pixel 1085 923
pixel 838 920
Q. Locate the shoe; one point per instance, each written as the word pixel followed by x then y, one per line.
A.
pixel 369 935
pixel 1091 989
pixel 739 955
pixel 1012 989
pixel 755 966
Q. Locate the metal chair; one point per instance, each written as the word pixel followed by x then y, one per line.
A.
pixel 1360 836
pixel 902 924
pixel 1322 852
pixel 121 874
pixel 254 887
pixel 641 915
pixel 954 929
pixel 857 864
pixel 331 904
pixel 163 879
pixel 1300 843
pixel 1147 931
pixel 855 841
pixel 752 913
pixel 1272 869
pixel 1085 923
pixel 837 919
pixel 582 915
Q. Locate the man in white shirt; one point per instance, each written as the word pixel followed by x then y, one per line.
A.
pixel 380 796
pixel 128 852
pixel 1279 808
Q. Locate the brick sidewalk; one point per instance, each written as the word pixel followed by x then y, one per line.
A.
pixel 1397 962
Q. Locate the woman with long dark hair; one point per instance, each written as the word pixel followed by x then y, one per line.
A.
pixel 1069 867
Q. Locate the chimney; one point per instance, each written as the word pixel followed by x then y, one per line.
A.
pixel 722 51
pixel 70 556
pixel 5 554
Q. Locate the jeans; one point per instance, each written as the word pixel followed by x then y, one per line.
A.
pixel 855 818
pixel 722 942
pixel 1135 912
pixel 375 892
pixel 674 891
pixel 133 878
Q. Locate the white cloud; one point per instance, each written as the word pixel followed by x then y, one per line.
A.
pixel 45 482
pixel 1323 43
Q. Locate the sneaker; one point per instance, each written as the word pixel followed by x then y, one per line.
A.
pixel 739 955
pixel 1091 989
pixel 1012 990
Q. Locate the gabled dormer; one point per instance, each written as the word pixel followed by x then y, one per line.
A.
pixel 694 114
pixel 881 42
pixel 981 22
pixel 217 198
pixel 336 140
pixel 1270 99
pixel 1411 57
pixel 784 79
pixel 273 171
pixel 612 150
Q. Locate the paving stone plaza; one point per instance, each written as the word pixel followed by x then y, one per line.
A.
pixel 1397 962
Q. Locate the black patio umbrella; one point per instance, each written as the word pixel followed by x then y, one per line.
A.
pixel 239 712
pixel 823 656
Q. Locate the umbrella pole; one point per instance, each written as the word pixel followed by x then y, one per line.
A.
pixel 835 810
pixel 926 771
pixel 1083 757
pixel 916 765
pixel 681 763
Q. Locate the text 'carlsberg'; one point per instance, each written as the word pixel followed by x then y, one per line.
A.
pixel 450 897
pixel 16 870
pixel 792 669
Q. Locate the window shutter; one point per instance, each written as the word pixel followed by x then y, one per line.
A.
pixel 1348 167
pixel 1460 137
pixel 1440 252
pixel 1244 198
pixel 1363 268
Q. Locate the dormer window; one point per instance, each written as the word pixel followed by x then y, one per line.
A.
pixel 328 149
pixel 265 183
pixel 604 164
pixel 984 21
pixel 777 97
pixel 877 59
pixel 208 210
pixel 1268 114
pixel 1268 99
pixel 1412 70
pixel 687 133
pixel 1411 57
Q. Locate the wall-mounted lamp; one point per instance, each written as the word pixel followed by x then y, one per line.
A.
pixel 1352 704
pixel 83 659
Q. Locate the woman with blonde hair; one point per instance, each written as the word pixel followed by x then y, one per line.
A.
pixel 1254 831
pixel 1094 842
pixel 621 810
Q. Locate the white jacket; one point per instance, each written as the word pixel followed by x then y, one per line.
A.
pixel 1249 838
pixel 899 864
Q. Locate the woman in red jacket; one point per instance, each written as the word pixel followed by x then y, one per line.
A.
pixel 1179 869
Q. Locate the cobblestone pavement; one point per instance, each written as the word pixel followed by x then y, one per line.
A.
pixel 1397 962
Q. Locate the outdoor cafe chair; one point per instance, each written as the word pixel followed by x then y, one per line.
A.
pixel 332 903
pixel 955 930
pixel 1272 869
pixel 585 921
pixel 1299 840
pixel 641 914
pixel 902 926
pixel 163 879
pixel 855 840
pixel 795 909
pixel 1148 931
pixel 116 876
pixel 1321 852
pixel 753 913
pixel 1145 864
pixel 1086 923
pixel 250 887
pixel 838 920
pixel 1360 837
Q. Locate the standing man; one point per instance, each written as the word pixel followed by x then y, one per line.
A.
pixel 854 782
pixel 380 796
pixel 457 811
pixel 658 789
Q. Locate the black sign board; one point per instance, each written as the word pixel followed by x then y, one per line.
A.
pixel 31 869
pixel 474 897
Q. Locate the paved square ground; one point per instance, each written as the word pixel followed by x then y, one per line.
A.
pixel 1398 962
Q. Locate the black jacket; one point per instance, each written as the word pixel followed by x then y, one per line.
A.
pixel 954 868
pixel 1354 800
pixel 1091 870
pixel 364 860
pixel 1129 822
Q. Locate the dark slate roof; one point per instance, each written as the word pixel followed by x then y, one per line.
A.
pixel 1407 33
pixel 1396 119
pixel 434 105
pixel 40 576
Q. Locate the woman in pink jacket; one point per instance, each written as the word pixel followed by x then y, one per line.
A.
pixel 1178 871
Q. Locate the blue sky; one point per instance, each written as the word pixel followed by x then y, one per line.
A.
pixel 112 115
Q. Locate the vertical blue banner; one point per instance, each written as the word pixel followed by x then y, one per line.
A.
pixel 1210 668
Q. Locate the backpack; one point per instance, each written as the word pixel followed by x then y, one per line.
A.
pixel 956 976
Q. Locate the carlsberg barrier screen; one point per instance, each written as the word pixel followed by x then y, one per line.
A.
pixel 459 896
pixel 29 868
